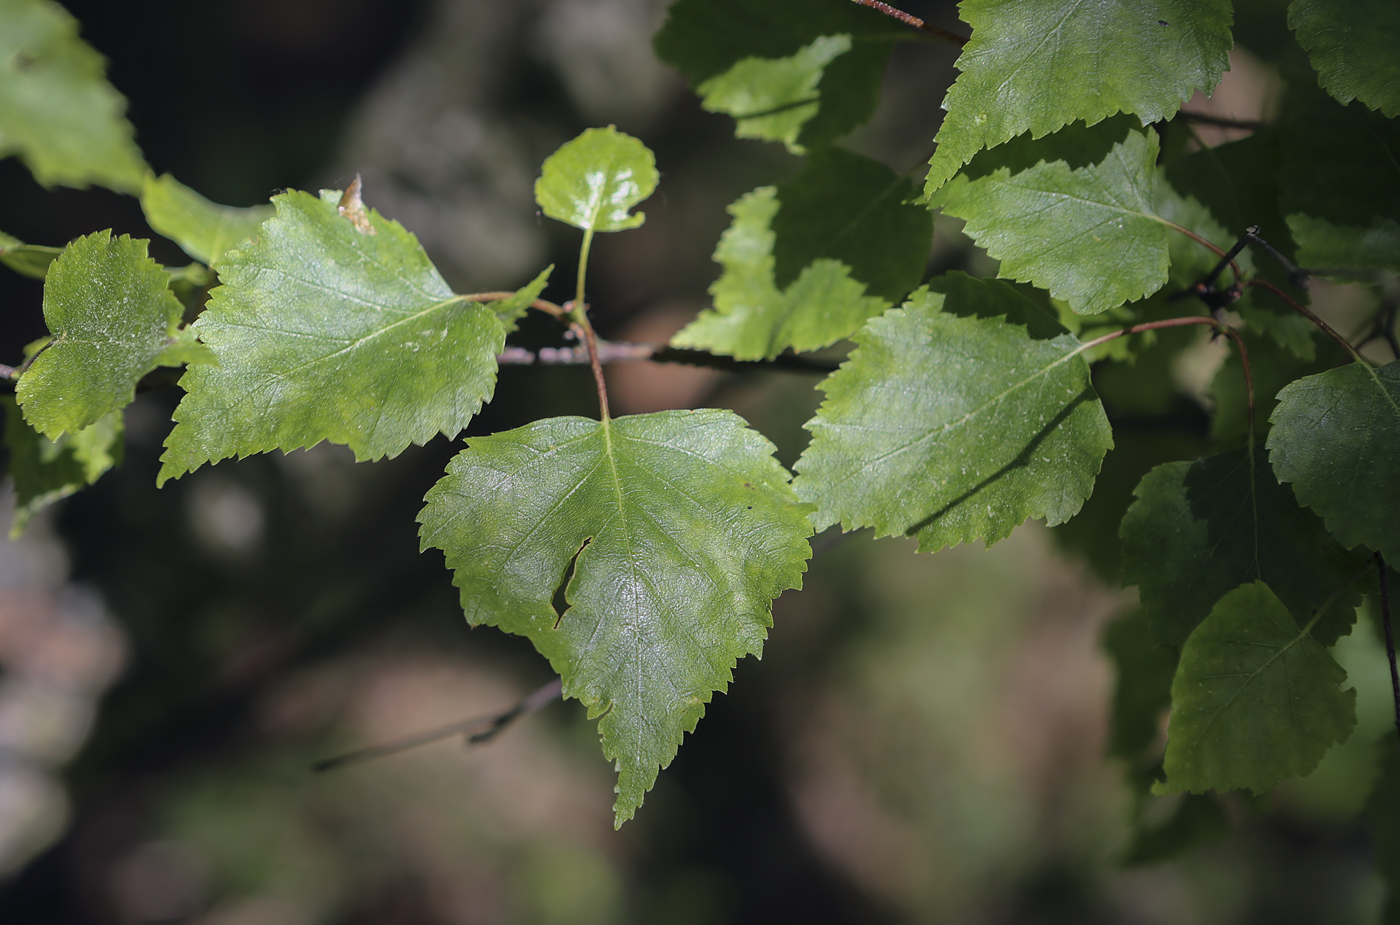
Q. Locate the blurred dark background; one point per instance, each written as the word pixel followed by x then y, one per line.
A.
pixel 922 741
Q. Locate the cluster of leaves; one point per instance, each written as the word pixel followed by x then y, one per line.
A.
pixel 965 406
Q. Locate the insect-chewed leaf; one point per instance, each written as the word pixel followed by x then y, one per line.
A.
pixel 322 332
pixel 1198 530
pixel 1255 700
pixel 954 428
pixel 57 110
pixel 681 529
pixel 45 471
pixel 1037 66
pixel 205 230
pixel 113 319
pixel 593 181
pixel 30 260
pixel 1335 439
pixel 1091 234
pixel 1352 45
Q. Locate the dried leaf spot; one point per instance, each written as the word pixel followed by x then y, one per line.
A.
pixel 353 207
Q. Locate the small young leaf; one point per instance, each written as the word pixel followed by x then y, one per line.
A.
pixel 1090 235
pixel 30 260
pixel 753 319
pixel 772 98
pixel 322 332
pixel 1201 529
pixel 681 529
pixel 45 471
pixel 205 230
pixel 1335 438
pixel 593 181
pixel 57 110
pixel 1256 699
pixel 112 316
pixel 1038 66
pixel 954 428
pixel 1352 45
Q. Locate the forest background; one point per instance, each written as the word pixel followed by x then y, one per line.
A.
pixel 924 739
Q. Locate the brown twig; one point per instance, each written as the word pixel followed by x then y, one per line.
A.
pixel 916 22
pixel 1307 313
pixel 1389 638
pixel 1151 326
pixel 621 352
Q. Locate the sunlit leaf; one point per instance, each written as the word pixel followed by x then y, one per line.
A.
pixel 772 98
pixel 594 181
pixel 670 533
pixel 204 229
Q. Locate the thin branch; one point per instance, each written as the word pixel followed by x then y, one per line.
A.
pixel 1307 313
pixel 8 372
pixel 549 308
pixel 476 730
pixel 1208 245
pixel 1206 118
pixel 1152 326
pixel 1389 638
pixel 914 21
pixel 620 352
pixel 1248 376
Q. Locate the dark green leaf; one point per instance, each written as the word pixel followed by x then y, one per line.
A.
pixel 1196 820
pixel 57 110
pixel 1143 687
pixel 204 229
pixel 1272 368
pixel 113 319
pixel 1038 66
pixel 45 471
pixel 1352 45
pixel 594 181
pixel 1201 529
pixel 325 332
pixel 1382 818
pixel 1336 439
pixel 954 428
pixel 681 529
pixel 1256 699
pixel 29 260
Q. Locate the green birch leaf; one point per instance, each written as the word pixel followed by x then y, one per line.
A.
pixel 670 533
pixel 847 207
pixel 1198 530
pixel 1090 235
pixel 57 110
pixel 45 471
pixel 772 98
pixel 594 181
pixel 1335 439
pixel 1143 669
pixel 1382 818
pixel 954 428
pixel 753 319
pixel 325 332
pixel 1272 367
pixel 1352 44
pixel 1037 66
pixel 30 260
pixel 205 230
pixel 1256 700
pixel 748 44
pixel 112 316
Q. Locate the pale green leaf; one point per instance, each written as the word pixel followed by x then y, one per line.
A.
pixel 1038 65
pixel 1090 235
pixel 1201 529
pixel 57 110
pixel 1352 44
pixel 324 332
pixel 772 98
pixel 45 471
pixel 594 181
pixel 205 230
pixel 1255 700
pixel 30 260
pixel 954 428
pixel 1336 439
pixel 112 315
pixel 681 529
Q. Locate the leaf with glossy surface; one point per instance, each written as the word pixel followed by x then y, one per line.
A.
pixel 594 181
pixel 57 110
pixel 1198 530
pixel 205 230
pixel 1352 45
pixel 1255 700
pixel 954 428
pixel 45 471
pixel 1037 66
pixel 1335 439
pixel 30 260
pixel 113 318
pixel 323 332
pixel 772 98
pixel 1090 235
pixel 675 531
pixel 753 319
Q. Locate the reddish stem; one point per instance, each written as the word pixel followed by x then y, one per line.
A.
pixel 1307 313
pixel 914 21
pixel 1248 376
pixel 549 308
pixel 1151 326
